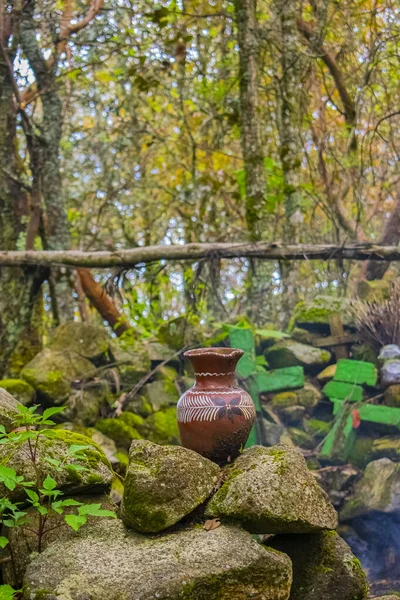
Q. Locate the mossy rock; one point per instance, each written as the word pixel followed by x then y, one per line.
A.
pixel 314 315
pixel 25 543
pixel 327 374
pixel 265 338
pixel 90 341
pixel 162 427
pixel 8 410
pixel 107 445
pixel 292 354
pixel 85 405
pixel 309 396
pixel 96 474
pixel 119 431
pixel 110 562
pixel 377 490
pixel 180 332
pixel 19 389
pixel 284 399
pixel 302 335
pixel 324 568
pixel 135 357
pixel 160 394
pixel 270 490
pixel 364 353
pixel 317 428
pixel 51 373
pixel 301 438
pixel 164 484
pixel 158 352
pixel 391 397
pixel 385 447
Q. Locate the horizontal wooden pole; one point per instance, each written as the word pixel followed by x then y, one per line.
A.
pixel 191 252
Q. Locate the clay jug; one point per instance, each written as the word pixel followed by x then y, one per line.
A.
pixel 215 416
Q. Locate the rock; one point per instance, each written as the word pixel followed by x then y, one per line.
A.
pixel 343 391
pixel 289 353
pixel 110 563
pixel 282 379
pixel 85 405
pixel 158 352
pixel 377 490
pixel 301 438
pixel 302 335
pixel 309 396
pixel 317 428
pixel 356 372
pixel 265 338
pixel 55 444
pixel 385 447
pixel 51 373
pixel 391 396
pixel 179 332
pixel 292 414
pixel 119 431
pixel 272 433
pixel 162 427
pixel 136 359
pixel 19 389
pixel 327 374
pixel 284 400
pixel 314 315
pixel 90 341
pixel 164 484
pixel 390 373
pixel 364 353
pixel 106 444
pixel 24 542
pixel 270 490
pixel 389 352
pixel 8 410
pixel 324 568
pixel 160 394
pixel 391 597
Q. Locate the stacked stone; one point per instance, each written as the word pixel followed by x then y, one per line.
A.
pixel 259 528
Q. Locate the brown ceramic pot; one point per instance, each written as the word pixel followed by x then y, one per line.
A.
pixel 215 416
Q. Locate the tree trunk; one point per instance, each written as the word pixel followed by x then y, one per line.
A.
pixel 391 236
pixel 57 228
pixel 18 287
pixel 288 89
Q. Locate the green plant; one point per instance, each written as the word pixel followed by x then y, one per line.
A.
pixel 41 494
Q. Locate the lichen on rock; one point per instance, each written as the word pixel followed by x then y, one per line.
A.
pixel 163 484
pixel 8 410
pixel 270 490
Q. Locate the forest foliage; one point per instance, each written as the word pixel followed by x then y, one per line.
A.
pixel 133 123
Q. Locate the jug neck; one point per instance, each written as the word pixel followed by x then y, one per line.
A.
pixel 214 367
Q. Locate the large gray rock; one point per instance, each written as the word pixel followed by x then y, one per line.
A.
pixel 108 562
pixel 390 373
pixel 97 475
pixel 324 567
pixel 51 373
pixel 163 484
pixel 90 341
pixel 8 410
pixel 289 353
pixel 24 542
pixel 377 490
pixel 270 490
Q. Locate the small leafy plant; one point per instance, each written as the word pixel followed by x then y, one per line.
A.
pixel 41 493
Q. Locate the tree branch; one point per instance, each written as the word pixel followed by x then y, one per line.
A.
pixel 135 257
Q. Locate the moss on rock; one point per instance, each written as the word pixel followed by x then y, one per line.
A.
pixel 8 410
pixel 90 341
pixel 51 373
pixel 270 490
pixel 119 431
pixel 163 484
pixel 289 353
pixel 323 567
pixel 162 427
pixel 20 389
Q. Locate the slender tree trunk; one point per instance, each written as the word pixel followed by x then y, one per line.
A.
pixel 252 147
pixel 57 230
pixel 288 89
pixel 18 287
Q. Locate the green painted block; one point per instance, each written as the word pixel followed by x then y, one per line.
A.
pixel 374 413
pixel 244 339
pixel 288 378
pixel 356 371
pixel 343 391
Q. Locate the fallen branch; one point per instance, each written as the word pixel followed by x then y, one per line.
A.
pixel 136 257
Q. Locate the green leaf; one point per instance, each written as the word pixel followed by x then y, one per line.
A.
pixel 9 477
pixel 75 448
pixel 42 510
pixel 49 484
pixel 75 521
pixel 32 495
pixel 76 467
pixel 95 510
pixel 3 542
pixel 59 505
pixel 49 412
pixel 7 592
